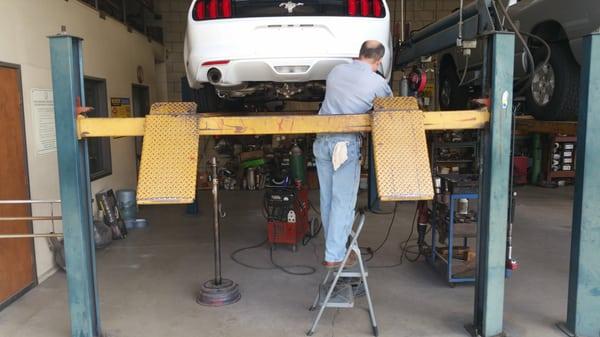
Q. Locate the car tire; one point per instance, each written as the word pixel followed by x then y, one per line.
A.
pixel 451 95
pixel 553 92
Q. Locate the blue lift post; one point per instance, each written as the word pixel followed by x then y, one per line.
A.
pixel 583 309
pixel 67 84
pixel 491 237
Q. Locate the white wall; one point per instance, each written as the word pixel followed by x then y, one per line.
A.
pixel 110 52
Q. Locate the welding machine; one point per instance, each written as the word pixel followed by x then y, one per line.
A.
pixel 287 214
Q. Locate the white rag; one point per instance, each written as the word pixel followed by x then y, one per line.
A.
pixel 340 154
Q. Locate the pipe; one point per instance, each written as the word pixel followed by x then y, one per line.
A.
pixel 217 238
pixel 41 235
pixel 30 218
pixel 402 19
pixel 13 202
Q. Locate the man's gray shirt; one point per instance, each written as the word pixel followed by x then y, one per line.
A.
pixel 351 89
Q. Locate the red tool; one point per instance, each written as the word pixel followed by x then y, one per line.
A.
pixel 287 215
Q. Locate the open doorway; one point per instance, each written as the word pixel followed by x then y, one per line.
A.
pixel 141 106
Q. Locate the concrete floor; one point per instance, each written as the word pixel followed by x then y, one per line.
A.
pixel 148 281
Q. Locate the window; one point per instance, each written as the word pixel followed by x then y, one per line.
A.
pixel 98 148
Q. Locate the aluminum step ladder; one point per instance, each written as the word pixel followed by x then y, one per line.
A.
pixel 339 293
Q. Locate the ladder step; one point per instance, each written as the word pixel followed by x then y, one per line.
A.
pixel 353 271
pixel 342 296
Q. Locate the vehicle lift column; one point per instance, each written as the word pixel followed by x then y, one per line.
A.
pixel 583 309
pixel 75 192
pixel 72 131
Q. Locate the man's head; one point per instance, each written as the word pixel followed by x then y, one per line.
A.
pixel 371 52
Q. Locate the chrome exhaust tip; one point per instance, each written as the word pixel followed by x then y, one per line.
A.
pixel 214 75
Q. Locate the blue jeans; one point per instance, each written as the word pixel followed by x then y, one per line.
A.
pixel 338 191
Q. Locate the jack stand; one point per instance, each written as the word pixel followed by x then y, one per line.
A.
pixel 218 291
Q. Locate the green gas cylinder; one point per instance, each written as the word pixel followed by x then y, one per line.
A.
pixel 297 165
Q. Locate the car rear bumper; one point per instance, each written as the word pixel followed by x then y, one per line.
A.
pixel 270 70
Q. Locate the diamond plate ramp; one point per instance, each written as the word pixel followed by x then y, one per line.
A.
pixel 400 151
pixel 169 161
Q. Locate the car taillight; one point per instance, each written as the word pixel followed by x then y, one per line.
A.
pixel 198 13
pixel 366 8
pixel 377 8
pixel 211 9
pixel 226 8
pixel 352 7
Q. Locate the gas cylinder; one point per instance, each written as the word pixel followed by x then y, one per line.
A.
pixel 298 168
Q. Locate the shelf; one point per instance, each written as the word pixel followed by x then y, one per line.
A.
pixel 455 161
pixel 456 145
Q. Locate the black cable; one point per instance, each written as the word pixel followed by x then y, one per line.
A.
pixel 412 230
pixel 405 247
pixel 286 269
pixel 233 256
pixel 371 252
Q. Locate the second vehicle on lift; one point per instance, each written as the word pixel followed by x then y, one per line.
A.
pixel 553 30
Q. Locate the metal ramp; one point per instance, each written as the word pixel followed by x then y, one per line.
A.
pixel 402 168
pixel 169 162
pixel 168 167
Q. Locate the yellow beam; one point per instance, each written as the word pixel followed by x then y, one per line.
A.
pixel 281 124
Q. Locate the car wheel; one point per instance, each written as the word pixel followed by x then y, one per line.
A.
pixel 553 92
pixel 451 96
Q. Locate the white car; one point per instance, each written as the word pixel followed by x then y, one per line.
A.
pixel 274 50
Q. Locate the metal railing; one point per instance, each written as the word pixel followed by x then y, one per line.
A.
pixel 135 14
pixel 50 218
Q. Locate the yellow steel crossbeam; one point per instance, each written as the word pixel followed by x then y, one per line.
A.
pixel 281 124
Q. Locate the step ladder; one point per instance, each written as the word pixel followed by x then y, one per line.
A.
pixel 339 292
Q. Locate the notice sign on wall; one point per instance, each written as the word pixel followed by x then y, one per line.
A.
pixel 120 107
pixel 42 107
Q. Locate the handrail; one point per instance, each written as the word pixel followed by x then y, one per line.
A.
pixel 51 218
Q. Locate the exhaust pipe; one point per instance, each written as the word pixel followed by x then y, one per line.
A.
pixel 214 75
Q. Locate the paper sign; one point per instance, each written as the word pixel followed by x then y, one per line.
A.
pixel 120 107
pixel 42 107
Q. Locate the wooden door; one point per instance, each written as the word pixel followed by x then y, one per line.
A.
pixel 17 273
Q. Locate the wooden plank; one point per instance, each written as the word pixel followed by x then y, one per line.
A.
pixel 529 125
pixel 280 124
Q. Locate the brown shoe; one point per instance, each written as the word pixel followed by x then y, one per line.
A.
pixel 352 259
pixel 331 265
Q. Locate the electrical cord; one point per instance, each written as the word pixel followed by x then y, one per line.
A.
pixel 371 252
pixel 286 269
pixel 234 258
pixel 405 249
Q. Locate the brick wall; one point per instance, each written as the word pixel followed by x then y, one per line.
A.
pixel 420 13
pixel 174 12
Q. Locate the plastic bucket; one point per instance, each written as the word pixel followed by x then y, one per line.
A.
pixel 127 204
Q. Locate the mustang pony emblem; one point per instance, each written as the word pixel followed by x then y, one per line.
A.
pixel 290 6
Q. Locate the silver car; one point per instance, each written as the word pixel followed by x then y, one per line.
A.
pixel 553 30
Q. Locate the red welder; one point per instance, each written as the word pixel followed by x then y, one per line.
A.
pixel 287 215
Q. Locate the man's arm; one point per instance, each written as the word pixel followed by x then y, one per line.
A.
pixel 384 90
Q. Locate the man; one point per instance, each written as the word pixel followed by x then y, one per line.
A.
pixel 350 89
